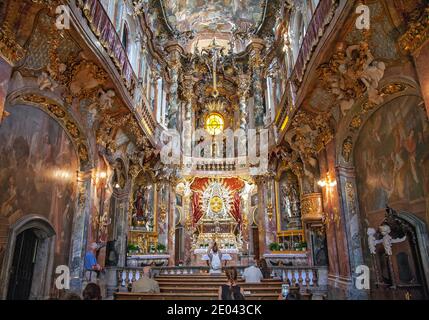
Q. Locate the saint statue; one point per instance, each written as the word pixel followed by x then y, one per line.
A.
pixel 140 203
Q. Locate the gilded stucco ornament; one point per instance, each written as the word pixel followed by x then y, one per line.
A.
pixel 10 50
pixel 351 73
pixel 312 208
pixel 347 149
pixel 418 31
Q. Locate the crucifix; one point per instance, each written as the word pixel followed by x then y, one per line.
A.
pixel 214 49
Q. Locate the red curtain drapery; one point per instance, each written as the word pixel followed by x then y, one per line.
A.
pixel 235 208
pixel 196 210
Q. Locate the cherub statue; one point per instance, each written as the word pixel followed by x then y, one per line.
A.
pixel 372 241
pixel 45 82
pixel 106 99
pixel 388 240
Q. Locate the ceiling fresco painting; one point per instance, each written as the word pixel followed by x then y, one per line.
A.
pixel 213 16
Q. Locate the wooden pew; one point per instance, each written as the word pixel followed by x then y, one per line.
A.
pixel 186 296
pixel 203 287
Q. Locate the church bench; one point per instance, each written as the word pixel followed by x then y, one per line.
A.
pixel 186 296
pixel 216 285
pixel 215 289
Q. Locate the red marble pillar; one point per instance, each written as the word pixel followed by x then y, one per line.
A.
pixel 339 264
pixel 171 245
pixel 421 58
pixel 5 73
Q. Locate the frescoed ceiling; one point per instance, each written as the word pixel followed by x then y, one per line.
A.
pixel 213 16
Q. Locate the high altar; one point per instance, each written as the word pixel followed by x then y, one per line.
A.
pixel 216 217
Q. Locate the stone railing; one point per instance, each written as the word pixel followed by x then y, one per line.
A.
pixel 308 277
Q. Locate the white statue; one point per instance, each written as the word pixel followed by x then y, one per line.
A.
pixel 371 77
pixel 106 99
pixel 46 79
pixel 372 242
pixel 388 240
pixel 45 82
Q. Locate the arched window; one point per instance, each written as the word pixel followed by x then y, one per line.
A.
pixel 125 35
pixel 215 124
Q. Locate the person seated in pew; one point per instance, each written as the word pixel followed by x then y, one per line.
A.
pixel 263 266
pixel 231 290
pixel 145 284
pixel 92 291
pixel 293 294
pixel 252 274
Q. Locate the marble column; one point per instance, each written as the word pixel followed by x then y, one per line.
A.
pixel 80 230
pixel 346 178
pixel 174 52
pixel 256 63
pixel 337 220
pixel 270 208
pixel 188 94
pixel 262 215
pixel 171 247
pixel 244 82
pixel 122 227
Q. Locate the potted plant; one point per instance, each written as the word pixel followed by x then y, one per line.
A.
pixel 274 246
pixel 160 248
pixel 133 248
pixel 303 246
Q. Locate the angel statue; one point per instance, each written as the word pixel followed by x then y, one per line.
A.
pixel 388 240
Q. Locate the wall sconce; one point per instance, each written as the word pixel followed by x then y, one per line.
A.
pixel 327 182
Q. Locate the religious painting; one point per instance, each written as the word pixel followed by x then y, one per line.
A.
pixel 289 213
pixel 38 166
pixel 213 15
pixel 144 209
pixel 392 156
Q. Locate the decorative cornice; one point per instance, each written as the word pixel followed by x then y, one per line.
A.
pixel 417 33
pixel 10 50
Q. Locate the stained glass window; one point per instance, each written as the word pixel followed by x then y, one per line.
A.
pixel 214 124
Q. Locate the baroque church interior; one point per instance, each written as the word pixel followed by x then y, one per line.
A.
pixel 294 134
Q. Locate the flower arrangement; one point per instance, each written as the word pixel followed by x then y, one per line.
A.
pixel 133 248
pixel 274 246
pixel 160 248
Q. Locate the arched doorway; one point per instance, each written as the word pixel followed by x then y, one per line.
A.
pixel 29 259
pixel 21 272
